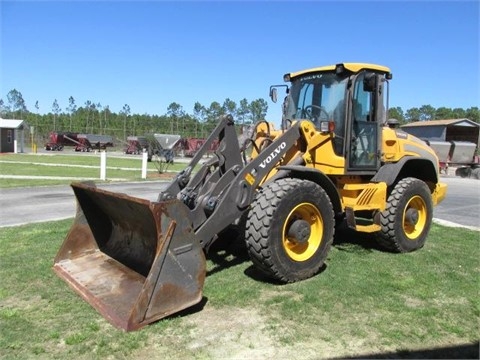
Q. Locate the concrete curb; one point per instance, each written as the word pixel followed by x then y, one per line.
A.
pixel 454 225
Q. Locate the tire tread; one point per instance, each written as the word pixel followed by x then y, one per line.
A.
pixel 258 226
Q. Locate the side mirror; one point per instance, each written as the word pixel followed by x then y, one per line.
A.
pixel 273 94
pixel 273 91
pixel 370 82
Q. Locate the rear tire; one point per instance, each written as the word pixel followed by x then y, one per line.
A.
pixel 463 172
pixel 407 218
pixel 290 229
pixel 476 173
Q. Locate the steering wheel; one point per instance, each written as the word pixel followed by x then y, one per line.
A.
pixel 308 111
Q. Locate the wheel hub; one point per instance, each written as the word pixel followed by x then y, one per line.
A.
pixel 411 216
pixel 299 231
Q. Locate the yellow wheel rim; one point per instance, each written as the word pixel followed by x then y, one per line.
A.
pixel 415 217
pixel 302 251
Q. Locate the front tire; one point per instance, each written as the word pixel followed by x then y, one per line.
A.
pixel 290 229
pixel 406 221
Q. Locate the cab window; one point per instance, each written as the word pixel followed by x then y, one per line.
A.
pixel 364 130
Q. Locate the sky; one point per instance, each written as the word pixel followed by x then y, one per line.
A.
pixel 148 54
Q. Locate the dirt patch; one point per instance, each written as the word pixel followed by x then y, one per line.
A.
pixel 233 333
pixel 161 176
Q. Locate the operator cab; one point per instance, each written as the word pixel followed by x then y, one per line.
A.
pixel 345 100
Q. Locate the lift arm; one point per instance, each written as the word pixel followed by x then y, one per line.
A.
pixel 224 187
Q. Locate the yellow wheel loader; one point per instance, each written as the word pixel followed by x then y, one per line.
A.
pixel 335 159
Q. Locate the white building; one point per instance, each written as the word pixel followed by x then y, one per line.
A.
pixel 12 137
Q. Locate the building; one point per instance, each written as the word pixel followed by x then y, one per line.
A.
pixel 455 141
pixel 12 135
pixel 445 130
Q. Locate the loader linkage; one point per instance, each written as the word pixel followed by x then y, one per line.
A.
pixel 137 261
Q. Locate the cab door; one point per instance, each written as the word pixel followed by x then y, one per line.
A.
pixel 365 121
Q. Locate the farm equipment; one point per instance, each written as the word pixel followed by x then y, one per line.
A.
pixel 455 142
pixel 192 145
pixel 458 154
pixel 442 150
pixel 136 145
pixel 162 145
pixel 80 142
pixel 160 150
pixel 89 142
pixel 462 156
pixel 58 140
pixel 335 159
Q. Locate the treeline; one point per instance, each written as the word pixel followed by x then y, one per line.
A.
pixel 427 112
pixel 95 118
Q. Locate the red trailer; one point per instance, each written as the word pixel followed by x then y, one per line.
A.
pixel 58 140
pixel 89 142
pixel 192 145
pixel 136 145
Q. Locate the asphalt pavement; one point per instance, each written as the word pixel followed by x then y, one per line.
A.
pixel 462 203
pixel 20 206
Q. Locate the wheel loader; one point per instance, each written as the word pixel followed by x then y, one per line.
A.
pixel 335 159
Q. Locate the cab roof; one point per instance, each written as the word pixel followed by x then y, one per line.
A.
pixel 353 67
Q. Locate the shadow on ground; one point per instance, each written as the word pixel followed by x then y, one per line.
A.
pixel 347 239
pixel 230 250
pixel 464 351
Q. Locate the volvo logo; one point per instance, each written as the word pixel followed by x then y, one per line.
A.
pixel 273 155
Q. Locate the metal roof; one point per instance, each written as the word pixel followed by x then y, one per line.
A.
pixel 12 124
pixel 447 122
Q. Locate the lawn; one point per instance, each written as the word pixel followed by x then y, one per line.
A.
pixel 366 302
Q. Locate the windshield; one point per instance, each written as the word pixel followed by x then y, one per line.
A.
pixel 317 97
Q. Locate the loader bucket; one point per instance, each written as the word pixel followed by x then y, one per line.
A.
pixel 133 260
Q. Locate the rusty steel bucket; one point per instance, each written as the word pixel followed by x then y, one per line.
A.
pixel 133 260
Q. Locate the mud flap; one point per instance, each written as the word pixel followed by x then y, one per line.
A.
pixel 133 260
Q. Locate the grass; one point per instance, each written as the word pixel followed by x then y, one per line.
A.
pixel 365 301
pixel 71 166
